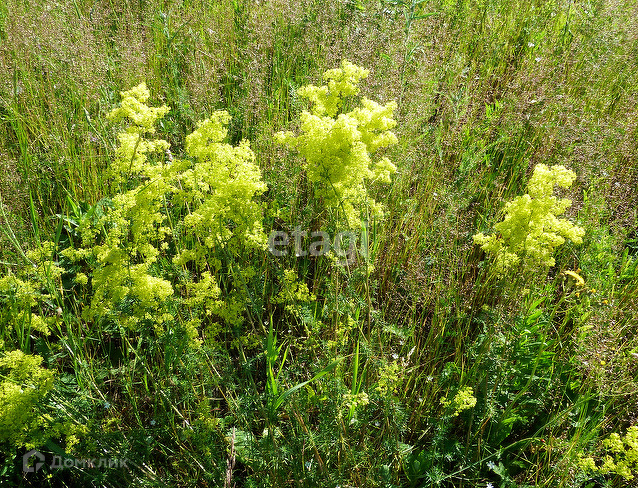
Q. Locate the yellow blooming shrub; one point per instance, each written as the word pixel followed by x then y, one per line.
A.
pixel 187 209
pixel 23 299
pixel 23 385
pixel 531 230
pixel 338 147
pixel 222 184
pixel 133 148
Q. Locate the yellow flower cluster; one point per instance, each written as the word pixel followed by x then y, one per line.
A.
pixel 24 384
pixel 337 146
pixel 360 399
pixel 133 149
pixel 215 189
pixel 225 180
pixel 531 230
pixel 463 400
pixel 293 293
pixel 21 296
pixel 389 376
pixel 622 458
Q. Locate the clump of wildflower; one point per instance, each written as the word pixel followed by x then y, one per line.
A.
pixel 214 190
pixel 621 458
pixel 337 146
pixel 24 384
pixel 388 378
pixel 293 293
pixel 224 181
pixel 17 298
pixel 531 230
pixel 131 154
pixel 351 401
pixel 463 400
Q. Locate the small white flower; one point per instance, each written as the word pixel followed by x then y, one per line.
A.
pixel 153 422
pixel 538 59
pixel 530 44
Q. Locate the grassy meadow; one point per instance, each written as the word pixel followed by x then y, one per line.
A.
pixel 150 337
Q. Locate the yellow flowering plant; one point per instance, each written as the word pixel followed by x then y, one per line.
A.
pixel 621 456
pixel 195 214
pixel 338 147
pixel 531 229
pixel 23 386
pixel 463 400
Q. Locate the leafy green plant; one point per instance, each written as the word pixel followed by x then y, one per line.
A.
pixel 276 397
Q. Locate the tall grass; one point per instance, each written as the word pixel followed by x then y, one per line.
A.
pixel 486 90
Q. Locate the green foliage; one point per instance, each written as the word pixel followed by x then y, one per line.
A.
pixel 531 231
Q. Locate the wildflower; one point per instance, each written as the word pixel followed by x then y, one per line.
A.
pixel 338 146
pixel 463 400
pixel 107 405
pixel 531 230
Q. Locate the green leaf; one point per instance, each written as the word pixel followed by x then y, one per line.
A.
pixel 290 391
